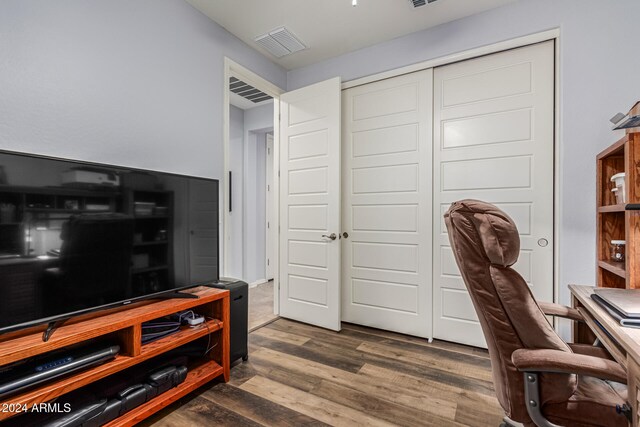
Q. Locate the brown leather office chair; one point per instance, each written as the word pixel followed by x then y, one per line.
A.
pixel 539 379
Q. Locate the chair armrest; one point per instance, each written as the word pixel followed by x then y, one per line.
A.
pixel 553 309
pixel 590 350
pixel 545 360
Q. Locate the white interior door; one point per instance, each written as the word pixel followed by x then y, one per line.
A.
pixel 310 204
pixel 387 185
pixel 493 135
pixel 272 224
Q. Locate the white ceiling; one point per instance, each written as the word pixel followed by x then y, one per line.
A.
pixel 333 27
pixel 243 103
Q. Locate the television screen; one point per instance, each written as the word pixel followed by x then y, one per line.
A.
pixel 76 237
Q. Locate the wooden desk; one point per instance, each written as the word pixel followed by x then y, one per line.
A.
pixel 623 343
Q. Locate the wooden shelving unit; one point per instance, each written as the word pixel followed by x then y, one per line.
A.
pixel 619 221
pixel 612 208
pixel 124 325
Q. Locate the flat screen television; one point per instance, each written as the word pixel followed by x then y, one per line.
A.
pixel 77 237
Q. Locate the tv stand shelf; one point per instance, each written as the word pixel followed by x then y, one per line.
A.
pixel 197 376
pixel 124 325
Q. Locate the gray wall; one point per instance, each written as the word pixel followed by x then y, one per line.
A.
pixel 135 83
pixel 598 77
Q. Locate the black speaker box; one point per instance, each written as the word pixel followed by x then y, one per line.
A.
pixel 239 312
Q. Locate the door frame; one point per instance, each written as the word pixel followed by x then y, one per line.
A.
pixel 269 208
pixel 233 69
pixel 562 327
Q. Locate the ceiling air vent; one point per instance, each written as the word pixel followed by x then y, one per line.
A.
pixel 247 91
pixel 418 3
pixel 272 46
pixel 280 42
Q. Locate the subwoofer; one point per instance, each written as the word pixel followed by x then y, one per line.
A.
pixel 239 313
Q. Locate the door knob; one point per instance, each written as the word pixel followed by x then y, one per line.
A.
pixel 543 242
pixel 331 236
pixel 345 234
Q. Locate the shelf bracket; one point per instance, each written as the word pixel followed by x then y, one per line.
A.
pixel 51 327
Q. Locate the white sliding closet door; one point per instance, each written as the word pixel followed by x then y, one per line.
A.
pixel 386 198
pixel 310 204
pixel 493 141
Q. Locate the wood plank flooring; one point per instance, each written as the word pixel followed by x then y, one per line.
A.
pixel 300 375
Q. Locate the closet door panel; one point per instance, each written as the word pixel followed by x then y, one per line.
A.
pixel 386 192
pixel 494 141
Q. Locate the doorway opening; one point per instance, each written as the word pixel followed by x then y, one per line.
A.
pixel 250 246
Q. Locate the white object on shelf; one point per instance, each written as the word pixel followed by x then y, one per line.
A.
pixel 618 179
pixel 618 195
pixel 617 250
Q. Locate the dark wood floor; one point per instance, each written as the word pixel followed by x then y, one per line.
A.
pixel 299 375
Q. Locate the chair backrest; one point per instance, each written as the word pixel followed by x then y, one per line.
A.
pixel 486 244
pixel 96 253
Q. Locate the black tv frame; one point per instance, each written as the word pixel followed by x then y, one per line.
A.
pixel 54 321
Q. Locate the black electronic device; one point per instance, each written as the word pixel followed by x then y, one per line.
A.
pixel 95 414
pixel 156 329
pixel 28 374
pixel 134 396
pixel 77 237
pixel 79 416
pixel 239 317
pixel 105 400
pixel 167 378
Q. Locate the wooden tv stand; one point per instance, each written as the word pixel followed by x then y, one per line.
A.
pixel 123 325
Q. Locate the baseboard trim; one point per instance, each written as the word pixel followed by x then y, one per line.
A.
pixel 268 322
pixel 257 282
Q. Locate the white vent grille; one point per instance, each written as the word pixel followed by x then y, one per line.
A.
pixel 280 42
pixel 287 39
pixel 272 46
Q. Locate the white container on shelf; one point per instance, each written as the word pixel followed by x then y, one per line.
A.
pixel 621 194
pixel 618 195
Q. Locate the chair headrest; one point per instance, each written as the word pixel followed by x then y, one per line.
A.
pixel 497 231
